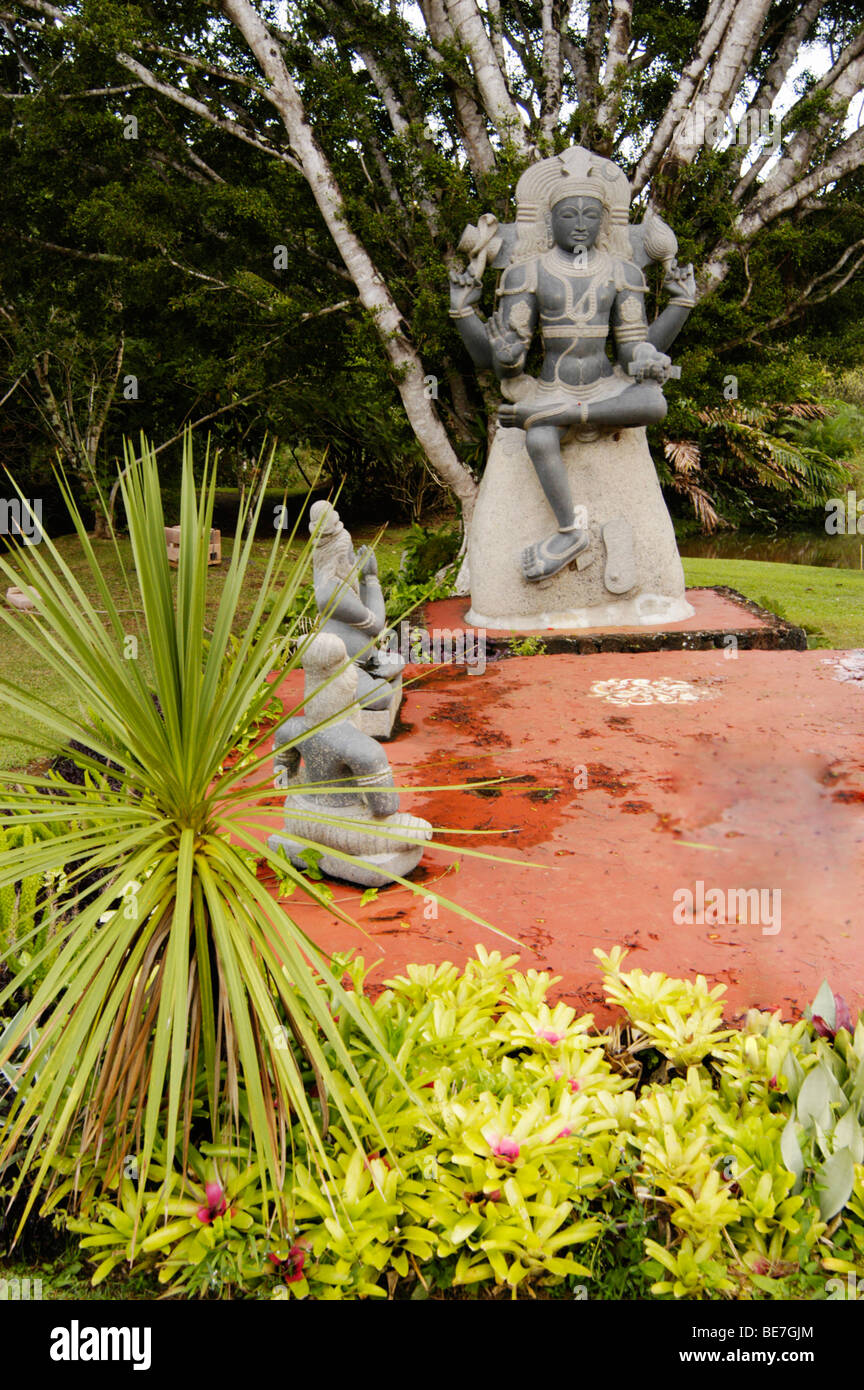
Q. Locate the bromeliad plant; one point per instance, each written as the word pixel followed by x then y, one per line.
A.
pixel 169 960
pixel 545 1158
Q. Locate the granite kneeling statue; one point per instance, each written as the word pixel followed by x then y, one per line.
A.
pixel 351 606
pixel 339 772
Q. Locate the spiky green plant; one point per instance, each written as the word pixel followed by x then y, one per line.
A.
pixel 197 968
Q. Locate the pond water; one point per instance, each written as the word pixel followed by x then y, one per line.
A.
pixel 788 547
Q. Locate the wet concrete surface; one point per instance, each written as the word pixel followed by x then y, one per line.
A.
pixel 619 783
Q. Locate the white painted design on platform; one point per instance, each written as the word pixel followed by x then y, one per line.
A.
pixel 848 667
pixel 663 691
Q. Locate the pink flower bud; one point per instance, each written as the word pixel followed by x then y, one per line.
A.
pixel 506 1148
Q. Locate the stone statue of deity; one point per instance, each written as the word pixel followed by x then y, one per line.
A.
pixel 340 786
pixel 351 606
pixel 573 268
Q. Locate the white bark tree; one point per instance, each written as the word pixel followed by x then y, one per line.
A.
pixel 489 81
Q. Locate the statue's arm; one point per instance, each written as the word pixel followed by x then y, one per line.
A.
pixel 680 281
pixel 511 327
pixel 501 343
pixel 336 600
pixel 629 319
pixel 465 291
pixel 630 323
pixel 371 774
pixel 286 746
pixel 371 593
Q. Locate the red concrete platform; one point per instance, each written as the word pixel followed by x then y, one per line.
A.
pixel 743 773
pixel 719 613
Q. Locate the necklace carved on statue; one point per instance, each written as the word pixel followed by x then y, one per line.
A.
pixel 576 263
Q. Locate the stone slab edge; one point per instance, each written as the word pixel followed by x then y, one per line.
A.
pixel 774 634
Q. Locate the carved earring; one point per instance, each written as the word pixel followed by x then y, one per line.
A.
pixel 547 222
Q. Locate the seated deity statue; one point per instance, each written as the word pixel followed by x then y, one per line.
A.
pixel 351 606
pixel 573 269
pixel 341 796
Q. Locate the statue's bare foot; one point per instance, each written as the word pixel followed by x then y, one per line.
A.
pixel 548 557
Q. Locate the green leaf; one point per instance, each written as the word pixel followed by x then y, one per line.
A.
pixel 793 1071
pixel 836 1179
pixel 813 1105
pixel 823 1005
pixel 790 1150
pixel 847 1135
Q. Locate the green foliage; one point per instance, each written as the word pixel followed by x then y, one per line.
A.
pixel 26 906
pixel 824 1134
pixel 740 456
pixel 197 974
pixel 425 571
pixel 648 1160
pixel 526 646
pixel 161 248
pixel 428 550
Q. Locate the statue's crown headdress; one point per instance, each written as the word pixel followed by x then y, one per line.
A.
pixel 324 521
pixel 576 172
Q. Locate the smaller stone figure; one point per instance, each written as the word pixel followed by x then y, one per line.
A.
pixel 345 775
pixel 351 606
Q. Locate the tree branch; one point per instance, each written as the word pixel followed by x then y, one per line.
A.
pixel 805 298
pixel 500 107
pixel 716 19
pixel 72 251
pixel 199 108
pixel 550 103
pixel 615 68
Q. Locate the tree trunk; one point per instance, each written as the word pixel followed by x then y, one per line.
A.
pixel 101 530
pixel 407 367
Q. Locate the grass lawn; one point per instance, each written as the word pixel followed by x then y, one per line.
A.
pixel 19 664
pixel 827 603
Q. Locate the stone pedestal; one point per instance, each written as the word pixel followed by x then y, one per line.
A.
pixel 172 542
pixel 613 479
pixel 373 870
pixel 377 720
pixel 21 599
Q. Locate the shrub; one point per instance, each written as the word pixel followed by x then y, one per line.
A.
pixel 649 1159
pixel 426 570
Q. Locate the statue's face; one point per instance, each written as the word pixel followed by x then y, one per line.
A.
pixel 576 223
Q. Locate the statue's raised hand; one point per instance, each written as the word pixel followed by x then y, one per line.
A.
pixel 508 349
pixel 680 281
pixel 465 290
pixel 647 364
pixel 368 562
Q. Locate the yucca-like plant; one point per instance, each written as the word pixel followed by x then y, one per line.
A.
pixel 177 964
